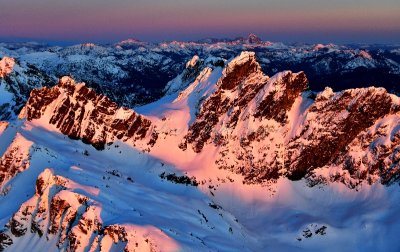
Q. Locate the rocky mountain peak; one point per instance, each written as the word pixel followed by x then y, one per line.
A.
pixel 66 81
pixel 240 82
pixel 6 66
pixel 254 39
pixel 193 62
pixel 222 124
pixel 331 124
pixel 189 74
pixel 284 130
pixel 238 70
pixel 81 113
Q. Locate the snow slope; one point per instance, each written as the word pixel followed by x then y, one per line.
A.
pixel 125 185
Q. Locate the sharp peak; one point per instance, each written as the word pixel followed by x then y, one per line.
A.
pixel 253 36
pixel 6 66
pixel 69 81
pixel 243 57
pixel 193 61
pixel 238 69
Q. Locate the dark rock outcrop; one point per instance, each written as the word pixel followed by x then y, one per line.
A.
pixel 77 111
pixel 234 79
pixel 14 160
pixel 5 241
pixel 333 125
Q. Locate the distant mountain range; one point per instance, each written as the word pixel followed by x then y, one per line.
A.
pixel 142 70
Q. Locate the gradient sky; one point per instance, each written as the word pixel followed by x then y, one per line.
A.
pixel 338 21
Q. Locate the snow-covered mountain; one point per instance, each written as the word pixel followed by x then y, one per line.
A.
pixel 230 159
pixel 16 82
pixel 134 72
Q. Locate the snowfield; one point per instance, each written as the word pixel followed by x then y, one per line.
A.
pixel 220 215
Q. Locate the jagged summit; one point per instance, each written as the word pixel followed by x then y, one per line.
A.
pixel 193 62
pixel 242 59
pixel 254 39
pixel 238 69
pixel 6 66
pixel 194 67
pixel 141 71
pixel 67 81
pixel 80 113
pixel 294 133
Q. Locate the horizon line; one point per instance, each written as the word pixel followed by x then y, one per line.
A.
pixel 105 42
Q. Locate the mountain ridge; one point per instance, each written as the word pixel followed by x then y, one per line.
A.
pixel 143 71
pixel 243 96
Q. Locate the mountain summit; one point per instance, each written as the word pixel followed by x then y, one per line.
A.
pixel 254 39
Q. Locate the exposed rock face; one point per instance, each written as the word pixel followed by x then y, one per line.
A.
pixel 238 70
pixel 280 100
pixel 242 81
pixel 39 100
pixel 6 66
pixel 371 156
pixel 56 212
pixel 88 226
pixel 5 241
pixel 331 124
pixel 14 160
pixel 77 111
pixel 50 212
pixel 265 128
pixel 243 77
